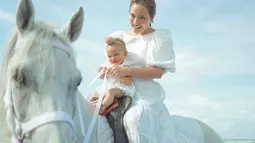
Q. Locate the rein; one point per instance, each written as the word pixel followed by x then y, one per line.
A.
pixel 98 104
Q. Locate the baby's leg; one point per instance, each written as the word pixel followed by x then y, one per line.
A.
pixel 107 101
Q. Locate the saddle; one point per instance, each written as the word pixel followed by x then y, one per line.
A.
pixel 115 116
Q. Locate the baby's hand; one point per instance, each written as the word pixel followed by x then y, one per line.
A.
pixel 95 97
pixel 102 69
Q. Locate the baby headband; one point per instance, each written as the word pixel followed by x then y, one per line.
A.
pixel 109 40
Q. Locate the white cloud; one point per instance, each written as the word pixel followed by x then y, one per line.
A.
pixel 6 16
pixel 225 40
pixel 228 61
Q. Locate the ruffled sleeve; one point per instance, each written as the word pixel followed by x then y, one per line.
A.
pixel 160 52
pixel 117 34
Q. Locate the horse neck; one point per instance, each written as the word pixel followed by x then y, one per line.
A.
pixel 5 133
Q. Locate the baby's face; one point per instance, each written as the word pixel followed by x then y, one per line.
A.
pixel 115 54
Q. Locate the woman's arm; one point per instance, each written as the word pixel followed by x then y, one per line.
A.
pixel 151 72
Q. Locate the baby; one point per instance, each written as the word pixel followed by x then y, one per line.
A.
pixel 116 52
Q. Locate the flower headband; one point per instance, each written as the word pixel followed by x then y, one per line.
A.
pixel 109 40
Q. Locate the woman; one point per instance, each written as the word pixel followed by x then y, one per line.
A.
pixel 150 55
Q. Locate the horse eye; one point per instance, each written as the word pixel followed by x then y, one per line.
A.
pixel 20 76
pixel 79 82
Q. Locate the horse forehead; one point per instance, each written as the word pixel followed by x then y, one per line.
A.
pixel 55 43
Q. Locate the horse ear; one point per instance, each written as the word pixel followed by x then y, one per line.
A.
pixel 25 15
pixel 74 26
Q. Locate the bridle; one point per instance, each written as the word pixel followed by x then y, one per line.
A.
pixel 19 129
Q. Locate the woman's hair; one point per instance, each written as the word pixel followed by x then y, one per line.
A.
pixel 150 5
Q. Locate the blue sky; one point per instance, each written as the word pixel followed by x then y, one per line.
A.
pixel 214 41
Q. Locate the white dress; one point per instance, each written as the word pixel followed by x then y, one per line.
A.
pixel 148 119
pixel 112 82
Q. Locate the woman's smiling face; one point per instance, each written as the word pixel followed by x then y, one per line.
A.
pixel 139 18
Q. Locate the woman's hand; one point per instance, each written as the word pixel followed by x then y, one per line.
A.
pixel 117 71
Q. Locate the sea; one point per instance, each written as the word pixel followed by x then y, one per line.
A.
pixel 239 140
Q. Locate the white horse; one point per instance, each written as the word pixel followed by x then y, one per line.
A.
pixel 39 80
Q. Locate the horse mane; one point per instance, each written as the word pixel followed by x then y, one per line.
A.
pixel 7 54
pixel 41 34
